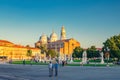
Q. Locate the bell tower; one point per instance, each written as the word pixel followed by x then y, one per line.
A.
pixel 63 33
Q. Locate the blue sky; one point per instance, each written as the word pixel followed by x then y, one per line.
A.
pixel 90 22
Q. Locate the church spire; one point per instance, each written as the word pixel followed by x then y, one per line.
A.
pixel 63 33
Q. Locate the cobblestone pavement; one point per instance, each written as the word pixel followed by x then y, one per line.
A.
pixel 40 72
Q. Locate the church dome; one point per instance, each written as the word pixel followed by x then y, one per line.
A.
pixel 53 37
pixel 43 38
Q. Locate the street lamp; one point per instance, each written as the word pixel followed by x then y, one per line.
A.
pixel 107 54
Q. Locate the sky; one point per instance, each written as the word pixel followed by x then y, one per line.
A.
pixel 91 22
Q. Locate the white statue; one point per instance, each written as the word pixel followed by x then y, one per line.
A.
pixel 84 57
pixel 71 59
pixel 102 59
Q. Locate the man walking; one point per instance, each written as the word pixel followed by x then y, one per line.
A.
pixel 56 68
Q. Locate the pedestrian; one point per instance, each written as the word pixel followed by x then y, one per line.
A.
pixel 63 63
pixel 50 66
pixel 10 61
pixel 24 62
pixel 56 68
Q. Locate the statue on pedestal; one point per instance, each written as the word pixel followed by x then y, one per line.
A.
pixel 84 57
pixel 102 59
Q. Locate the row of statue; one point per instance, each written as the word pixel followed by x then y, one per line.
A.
pixel 84 58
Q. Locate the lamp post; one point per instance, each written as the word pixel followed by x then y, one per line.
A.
pixel 107 54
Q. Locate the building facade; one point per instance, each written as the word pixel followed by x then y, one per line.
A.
pixel 9 50
pixel 64 47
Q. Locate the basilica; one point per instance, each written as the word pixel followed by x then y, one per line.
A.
pixel 63 46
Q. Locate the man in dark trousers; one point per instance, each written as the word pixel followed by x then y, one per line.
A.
pixel 56 68
pixel 63 63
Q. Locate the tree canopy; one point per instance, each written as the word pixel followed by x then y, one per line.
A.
pixel 29 53
pixel 43 49
pixel 52 53
pixel 92 52
pixel 113 43
pixel 77 52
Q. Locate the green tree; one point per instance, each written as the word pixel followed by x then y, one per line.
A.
pixel 113 43
pixel 43 48
pixel 29 53
pixel 77 52
pixel 92 52
pixel 52 53
pixel 27 46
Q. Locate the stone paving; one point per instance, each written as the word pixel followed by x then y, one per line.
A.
pixel 40 72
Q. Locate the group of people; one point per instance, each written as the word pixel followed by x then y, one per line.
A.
pixel 53 68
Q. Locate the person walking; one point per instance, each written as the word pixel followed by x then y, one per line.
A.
pixel 10 61
pixel 56 68
pixel 24 62
pixel 63 63
pixel 50 66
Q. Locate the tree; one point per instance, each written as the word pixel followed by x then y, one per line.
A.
pixel 29 53
pixel 43 48
pixel 113 43
pixel 77 52
pixel 27 46
pixel 92 52
pixel 52 53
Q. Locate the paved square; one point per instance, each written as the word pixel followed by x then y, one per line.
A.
pixel 40 72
